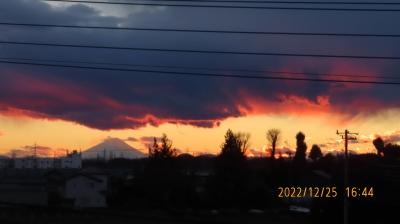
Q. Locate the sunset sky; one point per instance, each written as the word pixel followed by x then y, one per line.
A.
pixel 70 108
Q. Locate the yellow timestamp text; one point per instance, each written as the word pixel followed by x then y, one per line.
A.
pixel 312 192
pixel 324 192
pixel 357 192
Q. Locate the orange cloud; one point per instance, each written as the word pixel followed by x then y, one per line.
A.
pixel 285 103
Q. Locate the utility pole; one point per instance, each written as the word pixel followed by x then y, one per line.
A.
pixel 346 135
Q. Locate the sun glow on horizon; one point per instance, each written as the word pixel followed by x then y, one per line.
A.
pixel 17 132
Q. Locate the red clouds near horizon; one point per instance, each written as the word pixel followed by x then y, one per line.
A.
pixel 97 105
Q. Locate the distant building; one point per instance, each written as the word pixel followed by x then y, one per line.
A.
pixel 70 161
pixel 25 163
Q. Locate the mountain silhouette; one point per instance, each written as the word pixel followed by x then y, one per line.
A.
pixel 112 148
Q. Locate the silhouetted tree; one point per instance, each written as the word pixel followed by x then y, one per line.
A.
pixel 163 151
pixel 379 145
pixel 388 151
pixel 230 176
pixel 299 160
pixel 273 137
pixel 235 145
pixel 162 174
pixel 300 155
pixel 233 152
pixel 315 153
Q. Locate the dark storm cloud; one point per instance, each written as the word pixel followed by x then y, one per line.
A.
pixel 114 100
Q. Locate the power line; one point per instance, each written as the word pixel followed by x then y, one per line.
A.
pixel 284 2
pixel 228 6
pixel 198 74
pixel 204 51
pixel 208 68
pixel 200 30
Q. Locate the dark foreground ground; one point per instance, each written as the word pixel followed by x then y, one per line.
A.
pixel 42 216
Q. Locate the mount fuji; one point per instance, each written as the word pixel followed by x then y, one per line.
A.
pixel 112 148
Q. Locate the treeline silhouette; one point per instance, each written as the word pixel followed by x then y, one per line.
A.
pixel 232 181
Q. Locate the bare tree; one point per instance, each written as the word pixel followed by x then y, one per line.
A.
pixel 273 137
pixel 243 141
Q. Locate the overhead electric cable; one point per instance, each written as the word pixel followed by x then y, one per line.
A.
pixel 282 2
pixel 230 6
pixel 198 74
pixel 234 70
pixel 204 51
pixel 201 30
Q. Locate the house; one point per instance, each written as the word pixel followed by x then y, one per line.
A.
pixel 79 189
pixel 86 190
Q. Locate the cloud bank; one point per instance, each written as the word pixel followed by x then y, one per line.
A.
pixel 120 100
